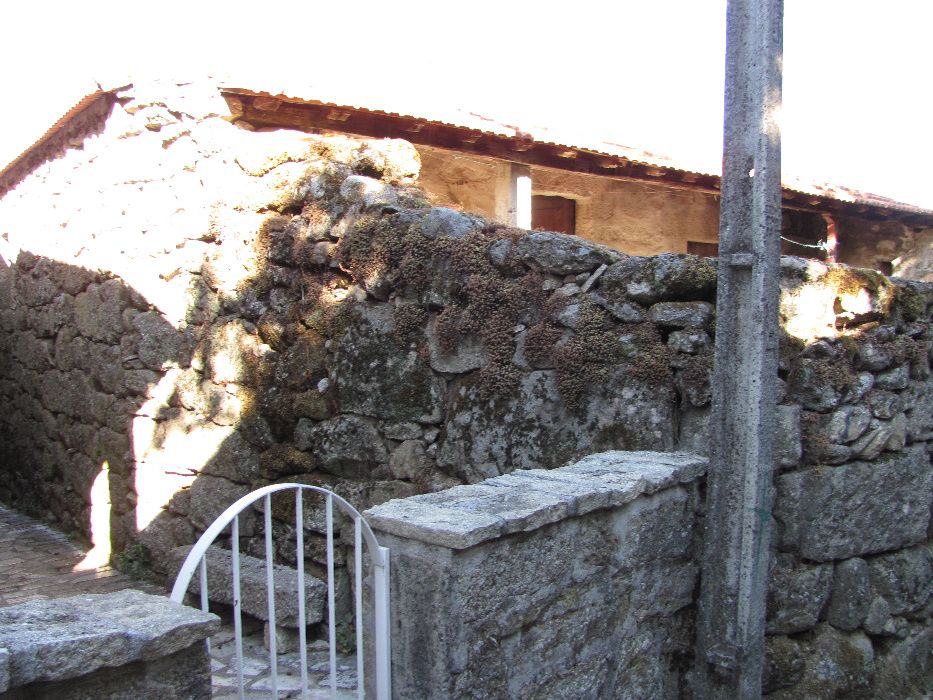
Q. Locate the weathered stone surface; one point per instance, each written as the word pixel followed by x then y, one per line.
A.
pixel 569 316
pixel 874 356
pixel 666 277
pixel 897 440
pixel 184 675
pixel 98 311
pixel 211 495
pixel 50 640
pixel 688 341
pixel 235 460
pixel 447 223
pixel 160 343
pixel 878 620
pixel 847 424
pixel 851 595
pixel 873 441
pixel 624 311
pixel 253 586
pixel 859 508
pixel 469 354
pixel 839 665
pixel 904 579
pixel 784 663
pixel 378 377
pixel 884 404
pixel 809 387
pixel 561 254
pixel 346 445
pixel 694 387
pixel 694 431
pixel 920 412
pixel 903 667
pixel 796 594
pixel 408 460
pixel 393 160
pixel 864 381
pixel 302 365
pixel 788 448
pixel 528 499
pixel 555 609
pixel 535 428
pixel 681 314
pixel 4 670
pixel 368 192
pixel 499 252
pixel 893 379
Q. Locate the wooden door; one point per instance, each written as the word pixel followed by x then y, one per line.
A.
pixel 553 214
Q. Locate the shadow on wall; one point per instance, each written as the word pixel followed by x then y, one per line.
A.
pixel 379 348
pixel 135 434
pixel 79 360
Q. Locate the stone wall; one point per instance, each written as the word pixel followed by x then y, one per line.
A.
pixel 580 582
pixel 112 647
pixel 568 583
pixel 191 310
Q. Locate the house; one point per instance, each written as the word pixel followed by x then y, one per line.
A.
pixel 634 201
pixel 190 310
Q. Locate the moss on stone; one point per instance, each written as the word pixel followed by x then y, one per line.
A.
pixel 539 343
pixel 585 360
pixel 410 321
pixel 789 347
pixel 698 368
pixel 911 303
pixel 851 281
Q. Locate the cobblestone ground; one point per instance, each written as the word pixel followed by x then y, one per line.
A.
pixel 257 679
pixel 38 562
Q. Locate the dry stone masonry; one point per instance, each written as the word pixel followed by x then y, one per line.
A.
pixel 191 309
pixel 118 645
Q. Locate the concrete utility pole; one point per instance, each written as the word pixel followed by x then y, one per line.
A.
pixel 731 616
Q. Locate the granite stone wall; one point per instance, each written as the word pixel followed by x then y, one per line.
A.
pixel 190 310
pixel 580 582
pixel 576 582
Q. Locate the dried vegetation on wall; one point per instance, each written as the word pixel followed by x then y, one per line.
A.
pixel 193 309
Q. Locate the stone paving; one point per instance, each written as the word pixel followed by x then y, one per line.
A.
pixel 37 562
pixel 256 670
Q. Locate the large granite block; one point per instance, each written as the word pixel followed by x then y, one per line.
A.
pixel 72 639
pixel 465 516
pixel 253 586
pixel 857 508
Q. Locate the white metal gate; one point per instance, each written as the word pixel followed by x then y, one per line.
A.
pixel 378 558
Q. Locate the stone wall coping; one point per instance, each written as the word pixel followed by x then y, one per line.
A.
pixel 525 500
pixel 52 640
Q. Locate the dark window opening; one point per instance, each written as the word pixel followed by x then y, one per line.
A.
pixel 706 250
pixel 803 234
pixel 553 214
pixel 885 267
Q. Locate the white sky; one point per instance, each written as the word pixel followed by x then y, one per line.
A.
pixel 646 74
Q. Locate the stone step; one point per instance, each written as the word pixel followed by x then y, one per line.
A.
pixel 253 586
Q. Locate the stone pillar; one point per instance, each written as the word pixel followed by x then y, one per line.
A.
pixel 731 616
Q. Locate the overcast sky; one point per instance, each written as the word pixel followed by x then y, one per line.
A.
pixel 646 74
